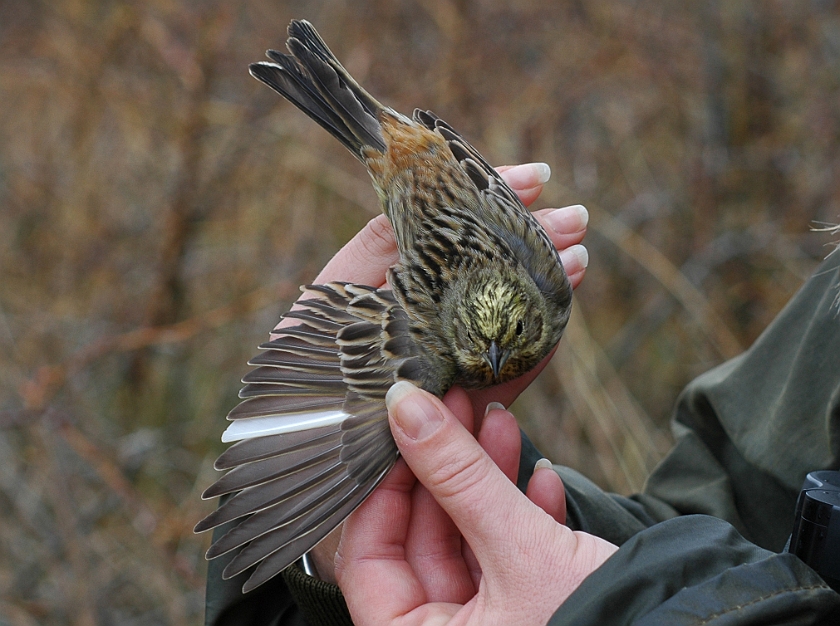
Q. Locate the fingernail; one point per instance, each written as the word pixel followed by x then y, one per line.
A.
pixel 412 410
pixel 492 406
pixel 543 464
pixel 528 175
pixel 543 172
pixel 569 219
pixel 574 259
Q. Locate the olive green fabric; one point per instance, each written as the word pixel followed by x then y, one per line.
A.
pixel 703 543
pixel 320 602
pixel 697 569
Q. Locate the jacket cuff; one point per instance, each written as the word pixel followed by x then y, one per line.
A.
pixel 321 603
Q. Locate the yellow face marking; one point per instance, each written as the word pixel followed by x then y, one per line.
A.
pixel 496 311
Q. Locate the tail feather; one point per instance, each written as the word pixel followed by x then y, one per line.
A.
pixel 332 82
pixel 298 89
pixel 313 80
pixel 304 32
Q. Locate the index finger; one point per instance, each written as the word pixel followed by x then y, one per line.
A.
pixel 365 259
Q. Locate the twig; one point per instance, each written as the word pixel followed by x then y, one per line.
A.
pixel 669 275
pixel 48 379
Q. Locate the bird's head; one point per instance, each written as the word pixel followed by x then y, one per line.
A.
pixel 498 328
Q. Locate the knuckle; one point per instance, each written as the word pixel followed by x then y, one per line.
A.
pixel 460 476
pixel 341 565
pixel 377 237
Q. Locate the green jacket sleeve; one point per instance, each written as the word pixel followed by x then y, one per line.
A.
pixel 701 545
pixel 697 569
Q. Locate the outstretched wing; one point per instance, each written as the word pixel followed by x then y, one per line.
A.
pixel 312 436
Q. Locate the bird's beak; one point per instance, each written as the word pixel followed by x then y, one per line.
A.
pixel 496 358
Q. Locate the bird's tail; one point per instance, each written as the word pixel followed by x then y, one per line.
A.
pixel 313 80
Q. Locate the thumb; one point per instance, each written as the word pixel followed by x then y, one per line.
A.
pixel 517 545
pixel 451 464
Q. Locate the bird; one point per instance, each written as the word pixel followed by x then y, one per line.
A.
pixel 478 297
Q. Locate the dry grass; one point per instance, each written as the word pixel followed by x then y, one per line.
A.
pixel 158 209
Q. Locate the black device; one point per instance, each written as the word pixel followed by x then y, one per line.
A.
pixel 816 528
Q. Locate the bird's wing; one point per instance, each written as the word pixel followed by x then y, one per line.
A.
pixel 503 211
pixel 312 435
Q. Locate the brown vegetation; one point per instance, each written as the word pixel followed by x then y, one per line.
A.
pixel 158 208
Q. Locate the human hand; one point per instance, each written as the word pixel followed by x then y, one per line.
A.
pixel 463 545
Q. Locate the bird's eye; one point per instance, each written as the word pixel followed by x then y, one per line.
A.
pixel 519 327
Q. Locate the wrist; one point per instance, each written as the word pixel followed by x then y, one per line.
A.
pixel 320 602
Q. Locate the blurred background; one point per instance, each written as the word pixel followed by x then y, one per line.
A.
pixel 159 208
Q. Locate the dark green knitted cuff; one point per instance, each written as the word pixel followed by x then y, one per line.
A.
pixel 321 603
